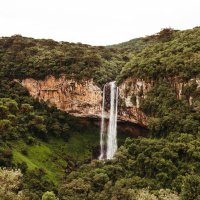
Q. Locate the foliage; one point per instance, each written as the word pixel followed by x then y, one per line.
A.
pixel 168 54
pixel 10 181
pixel 168 114
pixel 49 196
pixel 22 57
pixel 49 145
pixel 35 137
pixel 141 163
pixel 191 188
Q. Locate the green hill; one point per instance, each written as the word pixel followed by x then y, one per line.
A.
pixel 55 150
pixel 168 54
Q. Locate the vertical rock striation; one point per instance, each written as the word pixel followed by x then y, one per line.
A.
pixel 84 98
pixel 78 98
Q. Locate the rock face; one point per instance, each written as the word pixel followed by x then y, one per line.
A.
pixel 130 93
pixel 84 98
pixel 179 86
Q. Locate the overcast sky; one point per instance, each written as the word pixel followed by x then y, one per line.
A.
pixel 96 22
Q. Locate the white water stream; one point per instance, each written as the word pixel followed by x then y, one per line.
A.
pixel 108 141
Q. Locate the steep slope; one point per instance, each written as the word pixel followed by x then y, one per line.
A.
pixel 161 166
pixel 43 142
pixel 171 65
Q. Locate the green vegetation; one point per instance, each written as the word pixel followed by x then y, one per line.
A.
pixel 55 151
pixel 22 57
pixel 49 196
pixel 169 114
pixel 43 142
pixel 141 163
pixel 56 157
pixel 169 54
pixel 169 159
pixel 134 45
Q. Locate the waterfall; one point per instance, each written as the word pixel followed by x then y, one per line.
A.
pixel 102 132
pixel 108 143
pixel 112 127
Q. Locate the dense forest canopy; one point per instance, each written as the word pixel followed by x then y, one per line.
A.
pixel 22 57
pixel 168 54
pixel 52 152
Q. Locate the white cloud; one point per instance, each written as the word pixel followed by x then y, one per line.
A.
pixel 97 22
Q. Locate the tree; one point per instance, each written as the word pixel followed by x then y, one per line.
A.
pixel 191 188
pixel 10 181
pixel 5 127
pixel 76 189
pixel 3 111
pixel 49 196
pixel 37 126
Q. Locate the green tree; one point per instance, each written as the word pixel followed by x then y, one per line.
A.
pixel 49 196
pixel 191 188
pixel 10 181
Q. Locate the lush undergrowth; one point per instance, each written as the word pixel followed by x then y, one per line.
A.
pixel 56 157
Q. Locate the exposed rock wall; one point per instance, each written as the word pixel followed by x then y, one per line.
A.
pixel 179 87
pixel 84 98
pixel 78 98
pixel 131 92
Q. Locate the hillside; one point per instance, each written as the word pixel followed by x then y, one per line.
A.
pixel 168 54
pixel 22 57
pixel 158 76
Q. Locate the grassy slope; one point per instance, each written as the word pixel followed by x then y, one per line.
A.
pixel 52 156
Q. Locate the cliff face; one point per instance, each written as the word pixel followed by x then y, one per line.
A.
pixel 84 98
pixel 130 93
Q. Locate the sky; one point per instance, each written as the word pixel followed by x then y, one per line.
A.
pixel 95 22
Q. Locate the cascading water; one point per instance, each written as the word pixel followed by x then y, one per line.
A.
pixel 108 143
pixel 102 132
pixel 112 128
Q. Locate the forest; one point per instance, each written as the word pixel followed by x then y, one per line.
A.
pixel 48 154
